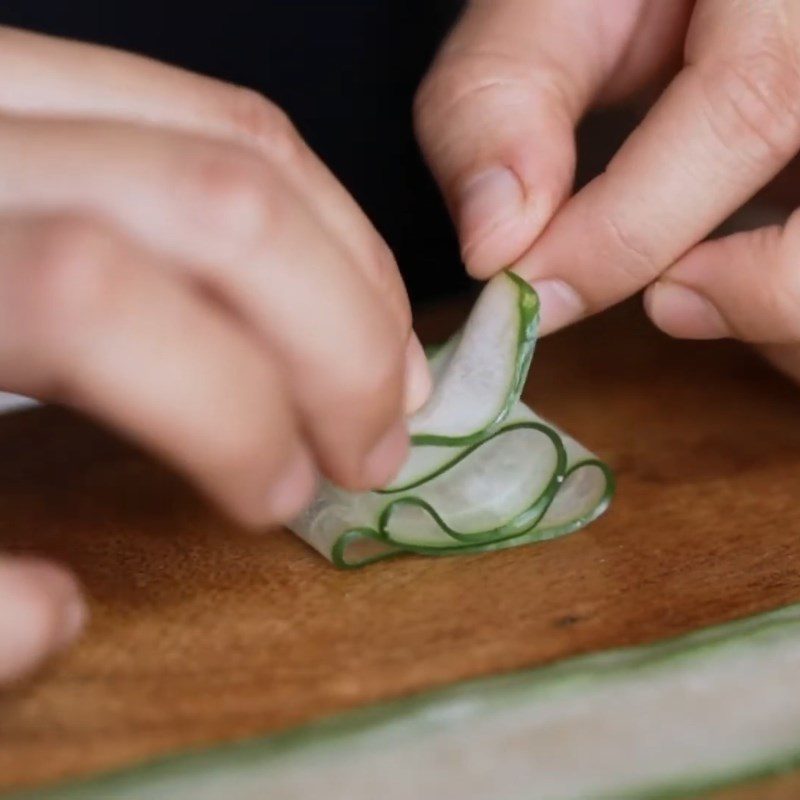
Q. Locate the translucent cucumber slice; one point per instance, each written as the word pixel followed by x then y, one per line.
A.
pixel 665 720
pixel 439 356
pixel 500 487
pixel 425 462
pixel 488 474
pixel 482 373
pixel 495 490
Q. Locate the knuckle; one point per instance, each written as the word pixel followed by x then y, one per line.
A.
pixel 635 261
pixel 256 120
pixel 371 381
pixel 232 200
pixel 234 449
pixel 452 84
pixel 69 276
pixel 459 73
pixel 427 98
pixel 753 103
pixel 66 241
pixel 247 446
pixel 488 77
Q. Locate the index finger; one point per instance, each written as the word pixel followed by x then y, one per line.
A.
pixel 725 126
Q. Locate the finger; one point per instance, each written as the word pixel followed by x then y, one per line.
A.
pixel 495 115
pixel 41 612
pixel 88 319
pixel 495 118
pixel 744 285
pixel 722 129
pixel 49 76
pixel 226 216
pixel 233 222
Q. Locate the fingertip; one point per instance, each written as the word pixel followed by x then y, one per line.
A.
pixel 418 381
pixel 41 613
pixel 293 489
pixel 682 312
pixel 383 462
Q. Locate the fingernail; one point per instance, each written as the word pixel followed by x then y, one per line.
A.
pixel 487 200
pixel 560 304
pixel 293 489
pixel 417 377
pixel 73 620
pixel 680 311
pixel 387 456
pixel 62 592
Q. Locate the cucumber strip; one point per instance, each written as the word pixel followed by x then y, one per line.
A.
pixel 439 355
pixel 486 491
pixel 486 474
pixel 665 720
pixel 485 368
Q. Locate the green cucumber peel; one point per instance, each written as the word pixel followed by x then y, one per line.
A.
pixel 488 474
pixel 702 711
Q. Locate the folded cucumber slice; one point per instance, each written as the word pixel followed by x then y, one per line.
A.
pixel 483 368
pixel 484 472
pixel 665 720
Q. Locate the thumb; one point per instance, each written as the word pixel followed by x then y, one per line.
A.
pixel 744 285
pixel 495 118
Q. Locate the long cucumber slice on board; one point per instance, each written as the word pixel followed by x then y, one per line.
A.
pixel 484 472
pixel 665 720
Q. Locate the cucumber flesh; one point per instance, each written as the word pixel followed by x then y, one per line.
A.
pixel 479 379
pixel 655 721
pixel 439 355
pixel 484 472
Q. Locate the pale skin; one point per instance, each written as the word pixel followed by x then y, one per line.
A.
pixel 159 232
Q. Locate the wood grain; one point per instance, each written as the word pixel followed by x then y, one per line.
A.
pixel 201 633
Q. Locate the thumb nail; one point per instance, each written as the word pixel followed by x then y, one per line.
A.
pixel 487 200
pixel 680 311
pixel 418 376
pixel 384 460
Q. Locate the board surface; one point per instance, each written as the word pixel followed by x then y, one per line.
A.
pixel 201 633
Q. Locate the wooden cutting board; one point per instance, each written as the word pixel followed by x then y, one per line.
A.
pixel 201 633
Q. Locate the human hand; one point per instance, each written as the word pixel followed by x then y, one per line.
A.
pixel 176 262
pixel 496 114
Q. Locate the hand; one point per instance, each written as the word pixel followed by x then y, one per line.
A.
pixel 495 117
pixel 176 262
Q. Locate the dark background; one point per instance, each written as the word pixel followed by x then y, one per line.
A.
pixel 345 71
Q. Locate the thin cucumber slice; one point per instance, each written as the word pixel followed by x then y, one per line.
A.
pixel 666 720
pixel 439 355
pixel 493 492
pixel 485 369
pixel 484 472
pixel 490 488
